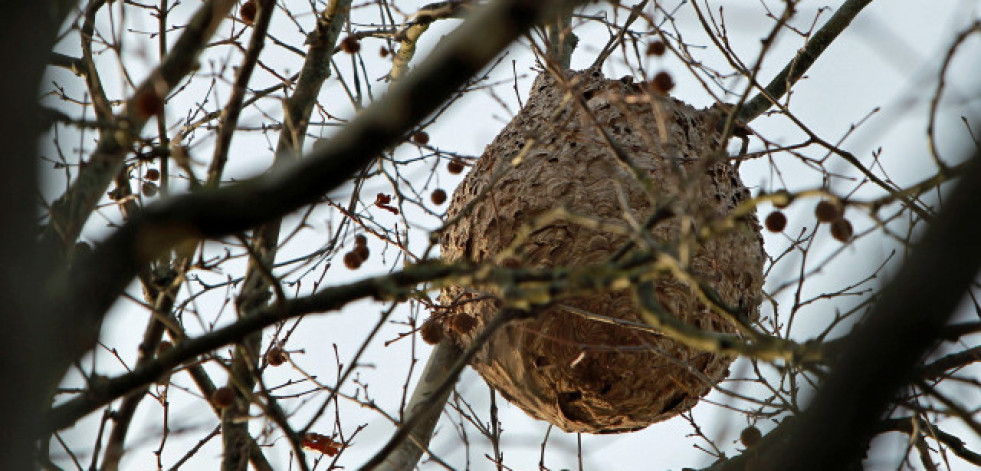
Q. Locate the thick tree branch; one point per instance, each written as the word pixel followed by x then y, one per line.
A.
pixel 233 109
pixel 330 299
pixel 409 35
pixel 31 336
pixel 420 418
pixel 316 69
pixel 93 80
pixel 428 399
pixel 881 354
pixel 942 366
pixel 258 279
pixel 71 210
pixel 953 442
pixel 95 281
pixel 796 68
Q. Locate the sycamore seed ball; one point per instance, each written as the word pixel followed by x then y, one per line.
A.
pixel 420 137
pixel 656 48
pixel 827 211
pixel 350 44
pixel 275 356
pixel 431 331
pixel 248 11
pixel 841 230
pixel 352 260
pixel 223 397
pixel 662 83
pixel 454 167
pixel 776 221
pixel 438 197
pixel 750 436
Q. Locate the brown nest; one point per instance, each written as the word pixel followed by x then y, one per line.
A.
pixel 578 373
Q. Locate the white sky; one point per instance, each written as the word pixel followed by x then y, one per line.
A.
pixel 888 58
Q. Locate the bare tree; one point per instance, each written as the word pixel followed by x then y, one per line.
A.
pixel 224 221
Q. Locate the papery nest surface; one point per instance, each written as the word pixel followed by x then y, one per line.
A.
pixel 562 366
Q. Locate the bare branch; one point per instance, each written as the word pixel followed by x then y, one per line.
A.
pixel 69 213
pixel 421 417
pixel 882 351
pixel 333 298
pixel 214 213
pixel 409 35
pixel 27 34
pixel 797 67
pixel 427 400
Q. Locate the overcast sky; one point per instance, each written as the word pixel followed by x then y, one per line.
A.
pixel 887 60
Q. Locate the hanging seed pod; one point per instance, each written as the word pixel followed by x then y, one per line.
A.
pixel 776 221
pixel 827 211
pixel 455 166
pixel 841 230
pixel 438 196
pixel 223 397
pixel 248 11
pixel 750 436
pixel 579 374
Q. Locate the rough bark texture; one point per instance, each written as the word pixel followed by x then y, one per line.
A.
pixel 580 374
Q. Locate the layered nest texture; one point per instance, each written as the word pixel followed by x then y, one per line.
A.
pixel 565 365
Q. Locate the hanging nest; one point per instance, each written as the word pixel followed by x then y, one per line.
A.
pixel 578 373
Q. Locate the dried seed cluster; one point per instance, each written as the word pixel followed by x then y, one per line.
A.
pixel 276 356
pixel 223 397
pixel 247 11
pixel 826 211
pixel 438 197
pixel 350 44
pixel 455 167
pixel 581 374
pixel 357 256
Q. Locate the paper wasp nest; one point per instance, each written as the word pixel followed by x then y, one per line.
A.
pixel 576 373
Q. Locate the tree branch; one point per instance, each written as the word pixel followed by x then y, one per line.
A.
pixel 409 35
pixel 523 284
pixel 953 442
pixel 880 355
pixel 94 281
pixel 942 366
pixel 31 335
pixel 258 278
pixel 421 416
pixel 70 211
pixel 231 111
pixel 799 65
pixel 428 400
pixel 330 299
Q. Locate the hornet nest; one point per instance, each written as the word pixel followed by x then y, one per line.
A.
pixel 578 373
